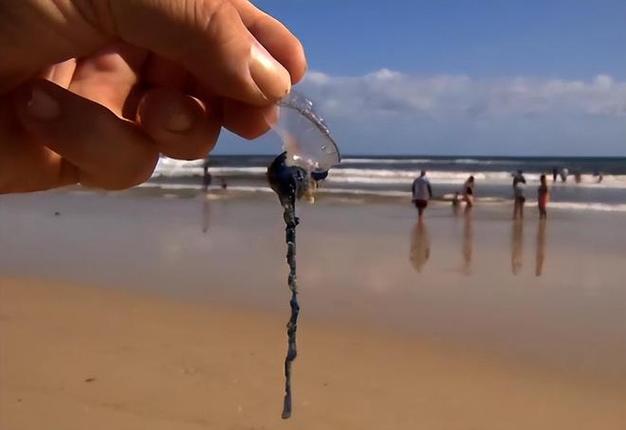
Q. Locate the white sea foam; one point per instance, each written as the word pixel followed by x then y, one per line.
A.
pixel 391 176
pixel 424 161
pixel 386 160
pixel 567 206
pixel 190 170
pixel 168 168
pixel 589 206
pixel 361 192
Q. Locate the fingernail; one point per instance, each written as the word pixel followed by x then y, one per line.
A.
pixel 42 106
pixel 270 76
pixel 179 121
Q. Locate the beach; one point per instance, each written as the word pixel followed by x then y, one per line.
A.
pixel 160 308
pixel 271 215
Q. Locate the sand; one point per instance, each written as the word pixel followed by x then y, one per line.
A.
pixel 120 313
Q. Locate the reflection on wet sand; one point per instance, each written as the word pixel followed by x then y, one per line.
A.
pixel 517 246
pixel 456 206
pixel 420 246
pixel 541 247
pixel 205 214
pixel 468 243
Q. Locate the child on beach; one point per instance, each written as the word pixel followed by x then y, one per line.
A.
pixel 542 197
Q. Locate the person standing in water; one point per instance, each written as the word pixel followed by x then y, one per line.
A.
pixel 578 177
pixel 598 176
pixel 468 193
pixel 542 197
pixel 422 193
pixel 519 182
pixel 555 173
pixel 206 177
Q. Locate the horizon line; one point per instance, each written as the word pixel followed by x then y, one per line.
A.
pixel 404 155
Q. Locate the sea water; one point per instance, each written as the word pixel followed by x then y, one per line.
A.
pixel 391 176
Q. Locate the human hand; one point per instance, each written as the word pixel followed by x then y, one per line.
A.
pixel 91 91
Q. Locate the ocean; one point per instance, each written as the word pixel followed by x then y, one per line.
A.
pixel 392 176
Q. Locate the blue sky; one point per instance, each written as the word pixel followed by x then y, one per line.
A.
pixel 462 77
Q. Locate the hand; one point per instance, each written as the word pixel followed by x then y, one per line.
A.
pixel 91 91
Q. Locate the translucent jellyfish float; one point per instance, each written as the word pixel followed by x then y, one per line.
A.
pixel 309 152
pixel 306 139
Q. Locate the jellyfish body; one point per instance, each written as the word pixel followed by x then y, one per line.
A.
pixel 288 182
pixel 306 138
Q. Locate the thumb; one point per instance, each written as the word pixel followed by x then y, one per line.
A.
pixel 209 38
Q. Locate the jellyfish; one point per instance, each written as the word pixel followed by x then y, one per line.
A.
pixel 309 152
pixel 306 138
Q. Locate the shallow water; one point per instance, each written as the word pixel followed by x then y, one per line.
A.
pixel 390 177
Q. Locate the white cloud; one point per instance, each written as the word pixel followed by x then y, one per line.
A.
pixel 392 112
pixel 386 92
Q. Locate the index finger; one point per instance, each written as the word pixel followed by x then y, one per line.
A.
pixel 210 39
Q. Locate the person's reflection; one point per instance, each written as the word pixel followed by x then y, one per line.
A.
pixel 541 247
pixel 468 243
pixel 456 204
pixel 420 246
pixel 205 213
pixel 517 245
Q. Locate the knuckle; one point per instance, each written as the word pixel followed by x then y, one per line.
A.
pixel 214 17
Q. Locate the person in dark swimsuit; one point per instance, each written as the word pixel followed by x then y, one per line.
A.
pixel 206 176
pixel 468 193
pixel 519 181
pixel 542 197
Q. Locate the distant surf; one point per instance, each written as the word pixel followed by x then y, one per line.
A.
pixel 391 177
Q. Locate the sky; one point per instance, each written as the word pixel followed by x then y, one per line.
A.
pixel 443 77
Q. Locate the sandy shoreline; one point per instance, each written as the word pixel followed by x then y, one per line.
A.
pixel 87 358
pixel 183 329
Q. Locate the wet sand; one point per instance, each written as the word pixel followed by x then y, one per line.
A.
pixel 121 313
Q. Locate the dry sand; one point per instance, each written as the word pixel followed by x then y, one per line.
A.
pixel 120 314
pixel 77 358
